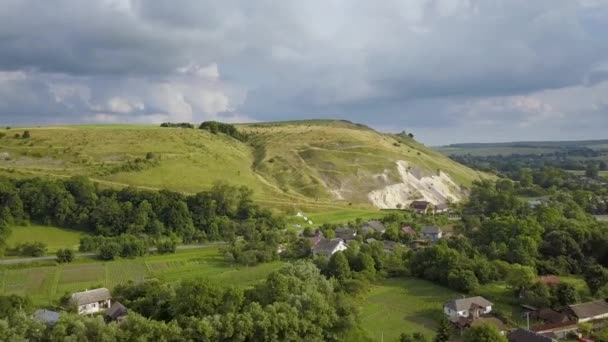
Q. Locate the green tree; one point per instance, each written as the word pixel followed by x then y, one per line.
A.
pixel 483 333
pixel 462 280
pixel 520 278
pixel 65 255
pixel 109 250
pixel 444 331
pixel 338 266
pixel 566 294
pixel 26 135
pixel 592 170
pixel 596 277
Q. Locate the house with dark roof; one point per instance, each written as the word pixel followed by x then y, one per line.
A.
pixel 441 208
pixel 550 316
pixel 116 312
pixel 590 311
pixel 47 317
pixel 373 226
pixel 318 236
pixel 467 309
pixel 327 248
pixel 431 233
pixel 421 207
pixel 346 234
pixel 91 301
pixel 523 335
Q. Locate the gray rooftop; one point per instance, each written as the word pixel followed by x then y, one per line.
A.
pixel 431 230
pixel 91 296
pixel 590 309
pixel 46 316
pixel 326 246
pixel 116 310
pixel 465 303
pixel 375 225
pixel 522 335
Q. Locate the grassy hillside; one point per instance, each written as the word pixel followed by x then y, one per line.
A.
pixel 290 165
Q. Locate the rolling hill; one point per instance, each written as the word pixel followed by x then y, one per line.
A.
pixel 314 163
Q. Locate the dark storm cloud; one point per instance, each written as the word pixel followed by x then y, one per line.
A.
pixel 428 65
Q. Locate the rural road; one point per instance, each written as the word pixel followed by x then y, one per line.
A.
pixel 88 255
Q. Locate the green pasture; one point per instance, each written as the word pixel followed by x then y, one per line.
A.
pixel 46 284
pixel 403 305
pixel 54 237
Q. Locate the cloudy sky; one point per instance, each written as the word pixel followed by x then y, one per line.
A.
pixel 447 70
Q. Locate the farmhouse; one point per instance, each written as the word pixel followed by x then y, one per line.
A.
pixel 590 311
pixel 91 301
pixel 432 233
pixel 469 309
pixel 328 248
pixel 421 207
pixel 373 226
pixel 346 234
pixel 522 335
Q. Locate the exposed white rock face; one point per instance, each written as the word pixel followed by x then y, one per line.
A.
pixel 416 186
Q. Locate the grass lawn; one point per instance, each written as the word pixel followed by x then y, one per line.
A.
pixel 45 285
pixel 403 305
pixel 335 216
pixel 55 238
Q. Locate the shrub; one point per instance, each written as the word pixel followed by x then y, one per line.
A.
pixel 65 255
pixel 166 247
pixel 34 249
pixel 26 135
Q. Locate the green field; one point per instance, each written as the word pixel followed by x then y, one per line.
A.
pixel 308 165
pixel 403 305
pixel 55 238
pixel 46 284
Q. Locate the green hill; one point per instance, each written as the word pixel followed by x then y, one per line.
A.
pixel 313 163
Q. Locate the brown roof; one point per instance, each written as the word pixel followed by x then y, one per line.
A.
pixel 408 230
pixel 554 327
pixel 552 316
pixel 549 280
pixel 590 309
pixel 422 205
pixel 522 335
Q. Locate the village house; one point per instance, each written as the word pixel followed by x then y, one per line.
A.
pixel 590 311
pixel 467 309
pixel 522 335
pixel 346 234
pixel 421 207
pixel 373 226
pixel 91 301
pixel 327 248
pixel 431 233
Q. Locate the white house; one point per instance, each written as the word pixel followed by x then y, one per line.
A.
pixel 431 233
pixel 590 311
pixel 467 308
pixel 91 301
pixel 328 247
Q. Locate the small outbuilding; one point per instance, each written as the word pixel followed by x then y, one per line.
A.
pixel 47 317
pixel 116 312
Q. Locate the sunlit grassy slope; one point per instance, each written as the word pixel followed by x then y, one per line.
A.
pixel 319 164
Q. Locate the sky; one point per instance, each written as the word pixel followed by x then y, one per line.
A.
pixel 446 70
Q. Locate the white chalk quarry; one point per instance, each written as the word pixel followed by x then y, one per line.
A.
pixel 416 186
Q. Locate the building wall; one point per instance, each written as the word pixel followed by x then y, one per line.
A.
pixel 94 307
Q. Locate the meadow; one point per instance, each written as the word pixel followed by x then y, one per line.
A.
pixel 54 237
pixel 45 284
pixel 400 305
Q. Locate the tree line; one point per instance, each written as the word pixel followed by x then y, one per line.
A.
pixel 224 212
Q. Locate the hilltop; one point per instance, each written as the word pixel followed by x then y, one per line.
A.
pixel 313 162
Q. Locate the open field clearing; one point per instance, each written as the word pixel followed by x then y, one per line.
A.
pixel 54 237
pixel 46 284
pixel 403 305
